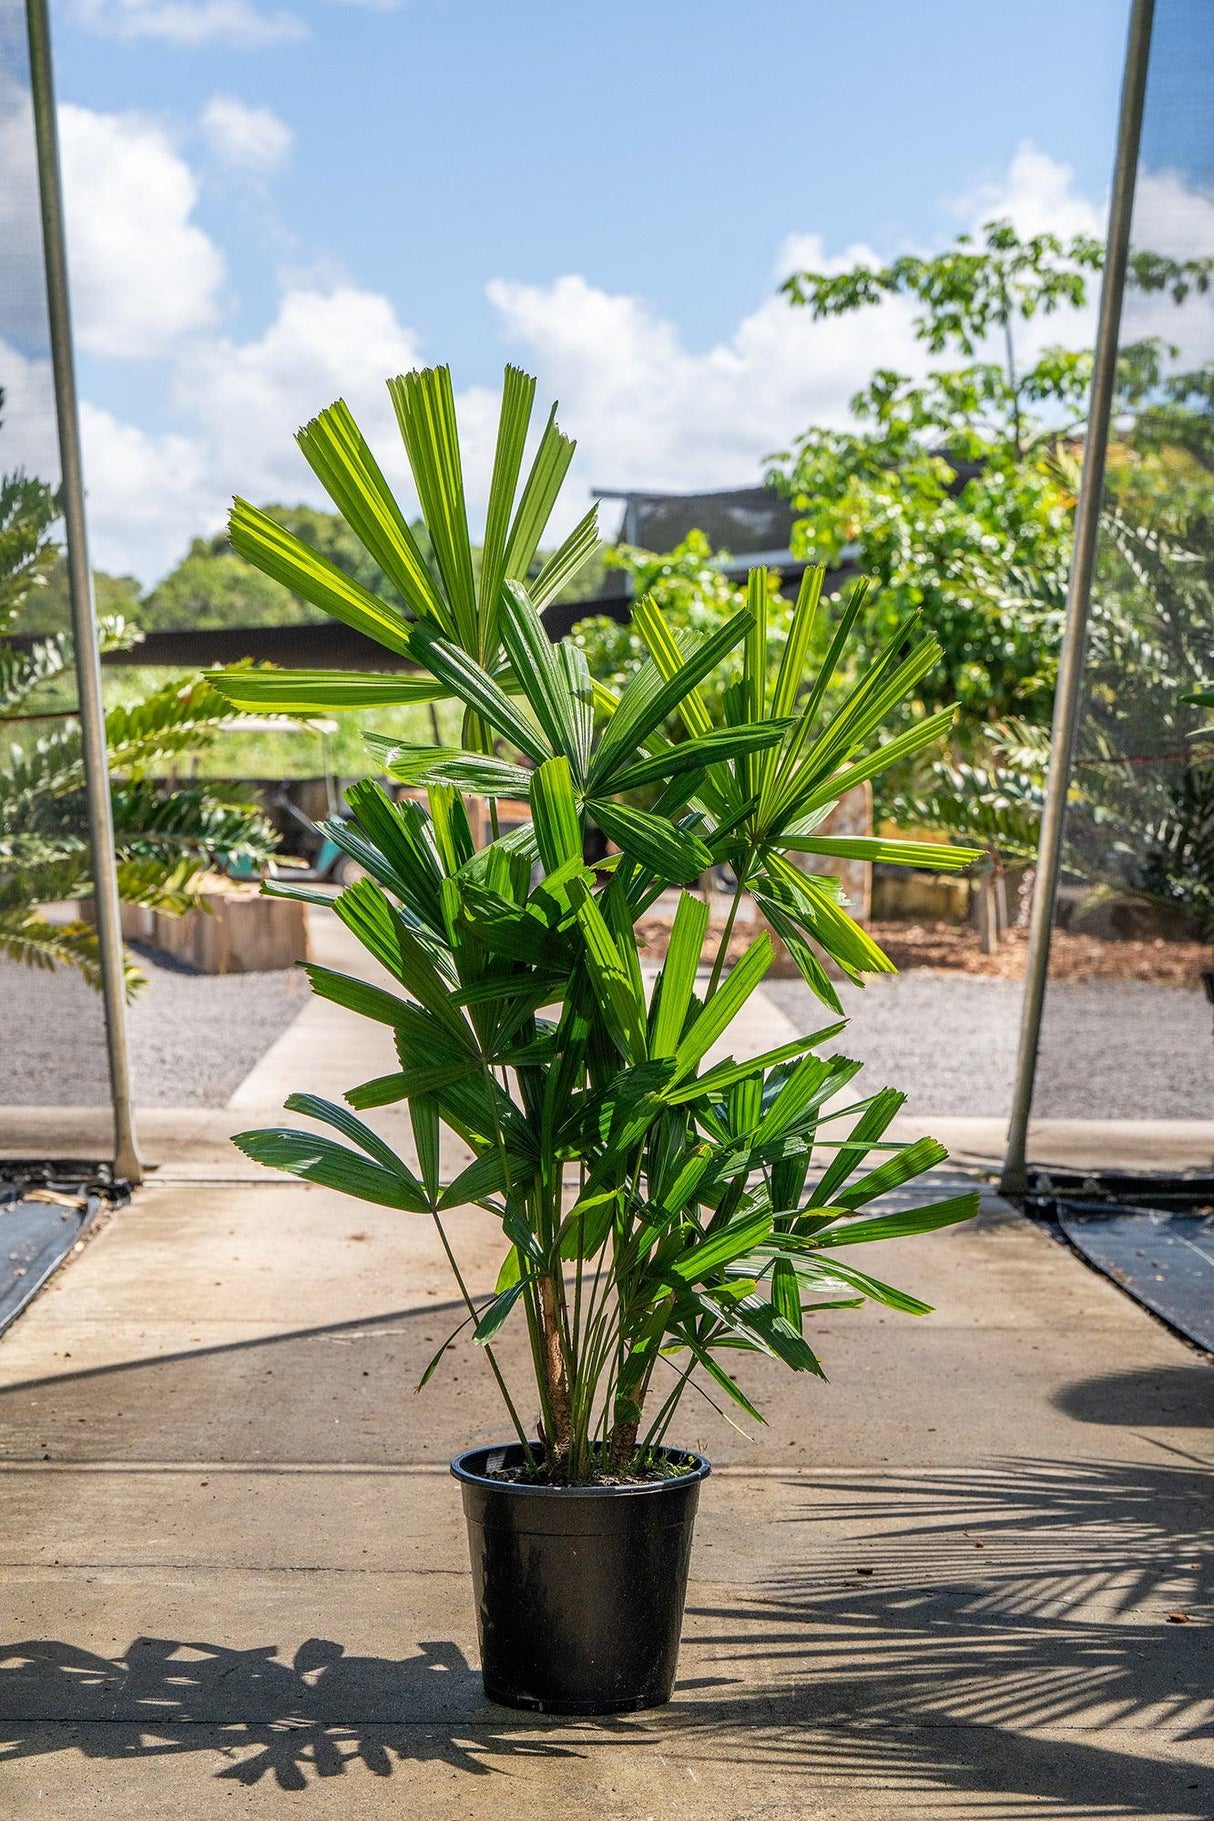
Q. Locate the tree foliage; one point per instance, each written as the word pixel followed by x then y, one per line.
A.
pixel 948 486
pixel 214 585
pixel 1140 813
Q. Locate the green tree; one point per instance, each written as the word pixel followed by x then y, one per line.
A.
pixel 214 586
pixel 48 608
pixel 946 486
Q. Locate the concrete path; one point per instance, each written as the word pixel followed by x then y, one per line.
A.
pixel 235 1571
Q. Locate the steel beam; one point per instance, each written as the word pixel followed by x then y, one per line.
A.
pixel 1083 557
pixel 80 587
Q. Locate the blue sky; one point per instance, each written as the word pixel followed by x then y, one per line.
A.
pixel 664 149
pixel 302 190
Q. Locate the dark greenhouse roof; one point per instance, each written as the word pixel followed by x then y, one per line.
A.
pixel 753 524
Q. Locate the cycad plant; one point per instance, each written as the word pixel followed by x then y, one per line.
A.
pixel 165 837
pixel 662 1205
pixel 1140 806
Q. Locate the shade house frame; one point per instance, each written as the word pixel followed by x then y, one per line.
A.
pixel 1068 703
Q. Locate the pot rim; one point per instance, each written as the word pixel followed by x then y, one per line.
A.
pixel 517 1489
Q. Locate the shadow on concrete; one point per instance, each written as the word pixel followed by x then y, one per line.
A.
pixel 1159 1397
pixel 355 1327
pixel 984 1631
pixel 316 1715
pixel 224 1401
pixel 999 1634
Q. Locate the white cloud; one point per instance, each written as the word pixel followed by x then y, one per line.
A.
pixel 29 438
pixel 23 289
pixel 144 274
pixel 249 398
pixel 190 23
pixel 1173 218
pixel 244 138
pixel 238 405
pixel 1037 194
pixel 647 410
pixel 147 494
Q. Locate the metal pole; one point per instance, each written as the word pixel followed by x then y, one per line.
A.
pixel 80 587
pixel 1074 642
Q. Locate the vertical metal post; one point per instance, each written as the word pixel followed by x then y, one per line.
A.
pixel 1074 642
pixel 80 587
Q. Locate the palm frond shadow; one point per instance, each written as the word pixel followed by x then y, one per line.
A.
pixel 983 1630
pixel 981 1634
pixel 318 1714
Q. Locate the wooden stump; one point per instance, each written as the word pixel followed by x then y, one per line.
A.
pixel 239 933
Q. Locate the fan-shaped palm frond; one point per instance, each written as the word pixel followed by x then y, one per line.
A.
pixel 698 1228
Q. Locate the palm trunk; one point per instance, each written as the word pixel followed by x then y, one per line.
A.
pixel 629 1403
pixel 556 1379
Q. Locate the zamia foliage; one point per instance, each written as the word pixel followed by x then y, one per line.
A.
pixel 662 1205
pixel 164 838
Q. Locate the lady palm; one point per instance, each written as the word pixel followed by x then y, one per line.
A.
pixel 659 1203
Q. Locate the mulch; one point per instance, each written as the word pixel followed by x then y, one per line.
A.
pixel 956 948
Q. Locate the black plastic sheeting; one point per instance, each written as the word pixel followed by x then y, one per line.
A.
pixel 1154 1236
pixel 40 1223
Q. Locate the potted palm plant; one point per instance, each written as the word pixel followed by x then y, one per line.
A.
pixel 662 1206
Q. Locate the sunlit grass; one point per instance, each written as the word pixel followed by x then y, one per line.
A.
pixel 290 754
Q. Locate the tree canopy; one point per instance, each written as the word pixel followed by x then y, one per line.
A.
pixel 947 488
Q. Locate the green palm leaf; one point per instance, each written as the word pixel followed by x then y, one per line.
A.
pixel 287 559
pixel 306 692
pixel 672 854
pixel 425 411
pixel 339 456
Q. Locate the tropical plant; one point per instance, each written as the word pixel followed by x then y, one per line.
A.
pixel 695 595
pixel 947 484
pixel 661 1210
pixel 1140 811
pixel 165 837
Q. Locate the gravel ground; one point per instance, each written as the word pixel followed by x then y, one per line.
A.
pixel 1124 1051
pixel 1110 1051
pixel 1127 1051
pixel 194 1037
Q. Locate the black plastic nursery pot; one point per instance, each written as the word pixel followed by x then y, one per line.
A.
pixel 579 1589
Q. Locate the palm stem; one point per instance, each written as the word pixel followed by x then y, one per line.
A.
pixel 723 947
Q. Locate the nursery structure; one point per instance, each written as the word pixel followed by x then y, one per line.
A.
pixel 1130 800
pixel 1127 852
